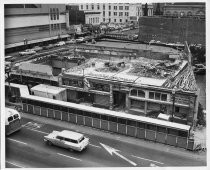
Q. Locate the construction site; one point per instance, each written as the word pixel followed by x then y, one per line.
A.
pixel 133 80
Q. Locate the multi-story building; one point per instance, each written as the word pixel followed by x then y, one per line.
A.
pixel 27 22
pixel 114 12
pixel 185 10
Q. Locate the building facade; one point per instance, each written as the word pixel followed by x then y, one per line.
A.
pixel 92 18
pixel 114 12
pixel 185 10
pixel 26 22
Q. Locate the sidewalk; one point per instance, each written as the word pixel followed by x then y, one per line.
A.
pixel 130 140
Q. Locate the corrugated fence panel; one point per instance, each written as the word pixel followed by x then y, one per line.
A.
pixel 140 133
pixel 104 124
pixel 190 145
pixel 171 140
pixel 43 112
pixel 96 123
pixel 131 131
pixel 113 126
pixel 161 137
pixel 50 113
pixel 25 107
pixel 121 129
pixel 88 121
pixel 57 114
pixel 181 142
pixel 64 116
pixel 150 135
pixel 72 118
pixel 30 109
pixel 36 110
pixel 80 120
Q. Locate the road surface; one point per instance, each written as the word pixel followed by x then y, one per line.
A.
pixel 26 149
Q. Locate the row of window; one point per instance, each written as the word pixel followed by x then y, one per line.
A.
pixel 104 7
pixel 123 121
pixel 55 26
pixel 93 20
pixel 158 96
pixel 54 14
pixel 115 13
pixel 114 20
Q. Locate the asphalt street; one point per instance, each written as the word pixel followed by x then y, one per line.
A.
pixel 26 149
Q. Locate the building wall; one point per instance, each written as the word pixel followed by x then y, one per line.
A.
pixel 172 29
pixel 48 20
pixel 93 19
pixel 114 12
pixel 184 10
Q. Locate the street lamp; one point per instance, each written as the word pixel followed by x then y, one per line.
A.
pixel 173 107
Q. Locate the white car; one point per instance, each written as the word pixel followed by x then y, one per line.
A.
pixel 60 43
pixel 67 139
pixel 80 39
pixel 27 52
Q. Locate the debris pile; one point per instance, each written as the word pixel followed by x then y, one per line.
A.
pixel 185 81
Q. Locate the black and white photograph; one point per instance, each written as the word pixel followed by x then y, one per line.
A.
pixel 114 84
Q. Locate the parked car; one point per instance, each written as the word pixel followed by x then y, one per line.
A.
pixel 67 139
pixel 80 39
pixel 60 43
pixel 37 48
pixel 27 52
pixel 199 69
pixel 71 41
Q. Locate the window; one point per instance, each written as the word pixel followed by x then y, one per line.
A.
pixel 86 6
pixel 120 20
pixel 103 6
pixel 120 13
pixel 109 7
pixel 177 109
pixel 137 104
pixel 109 19
pixel 157 96
pixel 54 14
pixel 126 14
pixel 109 13
pixel 115 7
pixel 173 131
pixel 59 137
pixel 141 93
pixel 10 119
pixel 104 13
pixel 57 13
pixel 81 6
pixel 51 13
pixel 92 7
pixel 126 7
pixel 103 19
pixel 133 92
pixel 98 7
pixel 96 115
pixel 151 95
pixel 164 97
pixel 115 13
pixel 120 7
pixel 115 20
pixel 104 117
pixel 93 20
pixel 88 114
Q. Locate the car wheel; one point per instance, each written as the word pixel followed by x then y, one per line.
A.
pixel 49 143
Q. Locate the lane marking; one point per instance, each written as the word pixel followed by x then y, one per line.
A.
pixel 94 145
pixel 14 164
pixel 17 141
pixel 147 159
pixel 69 156
pixel 39 131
